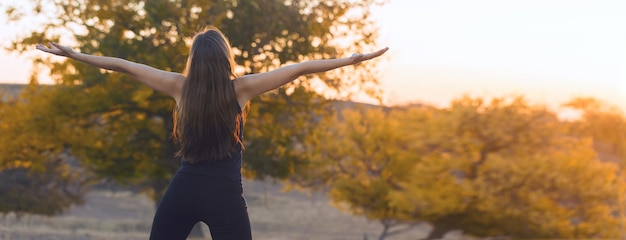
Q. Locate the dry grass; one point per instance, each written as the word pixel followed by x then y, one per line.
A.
pixel 274 215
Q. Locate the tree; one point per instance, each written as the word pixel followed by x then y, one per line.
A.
pixel 489 168
pixel 606 126
pixel 360 156
pixel 36 176
pixel 505 168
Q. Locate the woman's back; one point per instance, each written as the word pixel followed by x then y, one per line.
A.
pixel 228 167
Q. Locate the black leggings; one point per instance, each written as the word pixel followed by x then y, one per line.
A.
pixel 192 198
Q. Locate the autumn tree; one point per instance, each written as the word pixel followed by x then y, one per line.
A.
pixel 36 174
pixel 509 169
pixel 489 168
pixel 359 156
pixel 121 129
pixel 605 125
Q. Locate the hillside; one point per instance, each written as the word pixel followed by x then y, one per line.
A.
pixel 10 90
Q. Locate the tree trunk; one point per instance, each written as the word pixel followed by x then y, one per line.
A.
pixel 437 233
pixel 383 235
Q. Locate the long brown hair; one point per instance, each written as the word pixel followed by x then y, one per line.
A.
pixel 208 117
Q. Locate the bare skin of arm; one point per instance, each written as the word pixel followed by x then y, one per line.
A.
pixel 250 86
pixel 246 87
pixel 169 83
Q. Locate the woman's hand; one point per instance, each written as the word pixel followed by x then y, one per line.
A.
pixel 359 57
pixel 57 49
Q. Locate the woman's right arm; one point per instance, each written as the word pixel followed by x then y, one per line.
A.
pixel 250 86
pixel 169 83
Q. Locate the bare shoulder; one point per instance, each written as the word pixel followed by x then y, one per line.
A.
pixel 242 88
pixel 178 83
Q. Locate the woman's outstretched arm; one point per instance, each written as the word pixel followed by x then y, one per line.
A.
pixel 252 85
pixel 169 83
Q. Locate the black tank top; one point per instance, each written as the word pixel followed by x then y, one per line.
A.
pixel 229 168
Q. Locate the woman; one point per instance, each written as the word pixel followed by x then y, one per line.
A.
pixel 208 126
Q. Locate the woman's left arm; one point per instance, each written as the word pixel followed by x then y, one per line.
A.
pixel 169 83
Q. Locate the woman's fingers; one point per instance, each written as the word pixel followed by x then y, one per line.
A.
pixel 58 46
pixel 364 57
pixel 54 48
pixel 377 53
pixel 43 48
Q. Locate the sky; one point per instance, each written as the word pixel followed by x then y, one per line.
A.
pixel 546 50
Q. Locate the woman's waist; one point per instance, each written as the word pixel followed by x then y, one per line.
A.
pixel 230 168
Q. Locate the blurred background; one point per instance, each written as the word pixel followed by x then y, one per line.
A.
pixel 485 120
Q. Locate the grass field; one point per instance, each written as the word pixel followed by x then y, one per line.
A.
pixel 274 215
